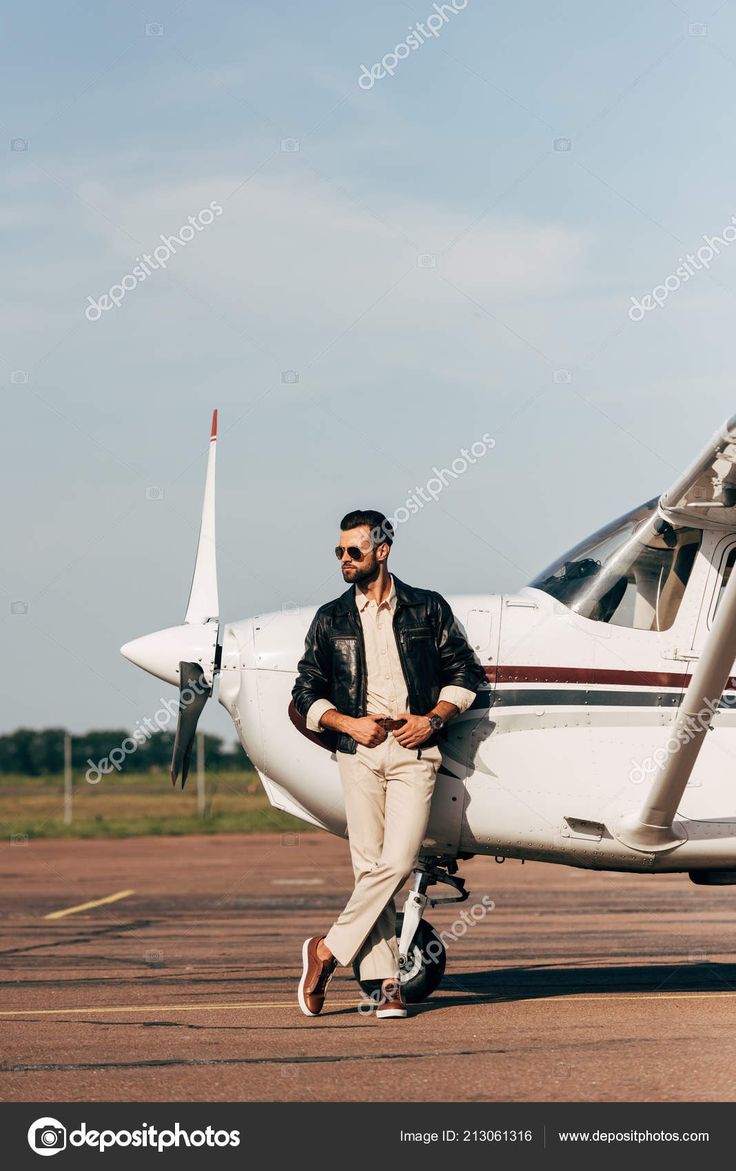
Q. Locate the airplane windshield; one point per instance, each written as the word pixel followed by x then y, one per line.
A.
pixel 631 573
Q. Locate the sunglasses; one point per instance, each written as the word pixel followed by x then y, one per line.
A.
pixel 353 552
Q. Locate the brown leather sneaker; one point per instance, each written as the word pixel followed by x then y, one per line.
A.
pixel 316 975
pixel 392 1003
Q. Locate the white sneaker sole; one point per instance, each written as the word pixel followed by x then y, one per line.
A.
pixel 302 982
pixel 384 1013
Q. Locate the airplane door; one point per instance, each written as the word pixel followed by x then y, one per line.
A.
pixel 722 557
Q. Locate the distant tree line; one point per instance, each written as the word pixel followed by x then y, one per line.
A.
pixel 33 752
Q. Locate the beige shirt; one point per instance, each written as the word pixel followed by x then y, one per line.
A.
pixel 386 693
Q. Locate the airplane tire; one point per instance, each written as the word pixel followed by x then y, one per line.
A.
pixel 425 968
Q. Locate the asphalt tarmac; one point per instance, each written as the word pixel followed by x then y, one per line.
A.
pixel 181 985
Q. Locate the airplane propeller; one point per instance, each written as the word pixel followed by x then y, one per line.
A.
pixel 190 654
pixel 203 608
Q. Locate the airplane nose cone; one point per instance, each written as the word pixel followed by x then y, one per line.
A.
pixel 153 653
pixel 161 652
pixel 142 651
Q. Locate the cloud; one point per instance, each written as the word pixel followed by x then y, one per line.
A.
pixel 293 265
pixel 294 252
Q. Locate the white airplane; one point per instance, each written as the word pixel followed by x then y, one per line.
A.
pixel 604 738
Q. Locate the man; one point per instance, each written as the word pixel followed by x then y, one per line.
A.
pixel 385 666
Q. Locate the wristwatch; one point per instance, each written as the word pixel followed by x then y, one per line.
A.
pixel 436 723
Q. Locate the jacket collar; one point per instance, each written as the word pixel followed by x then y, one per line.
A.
pixel 406 595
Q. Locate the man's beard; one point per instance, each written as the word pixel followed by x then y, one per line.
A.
pixel 366 576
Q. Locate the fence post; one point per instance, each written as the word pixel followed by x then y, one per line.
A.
pixel 200 774
pixel 67 779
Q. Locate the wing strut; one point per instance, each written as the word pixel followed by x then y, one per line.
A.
pixel 652 828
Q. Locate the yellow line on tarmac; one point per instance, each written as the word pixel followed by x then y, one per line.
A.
pixel 121 894
pixel 591 997
pixel 160 1008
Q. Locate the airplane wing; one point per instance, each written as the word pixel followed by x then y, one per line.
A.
pixel 706 493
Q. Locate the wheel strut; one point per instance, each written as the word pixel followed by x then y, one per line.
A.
pixel 427 872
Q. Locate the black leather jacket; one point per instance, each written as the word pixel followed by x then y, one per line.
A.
pixel 433 651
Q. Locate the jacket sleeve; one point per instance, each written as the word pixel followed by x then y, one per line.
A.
pixel 459 665
pixel 313 678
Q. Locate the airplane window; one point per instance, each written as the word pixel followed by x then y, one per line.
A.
pixel 631 573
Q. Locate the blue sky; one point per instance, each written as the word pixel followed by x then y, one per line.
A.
pixel 515 322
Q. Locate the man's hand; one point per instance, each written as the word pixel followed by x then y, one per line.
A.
pixel 366 730
pixel 414 732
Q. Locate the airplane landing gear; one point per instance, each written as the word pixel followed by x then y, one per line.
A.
pixel 421 949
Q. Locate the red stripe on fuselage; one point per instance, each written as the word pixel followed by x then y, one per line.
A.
pixel 516 674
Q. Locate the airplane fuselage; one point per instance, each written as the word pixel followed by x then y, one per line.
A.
pixel 557 747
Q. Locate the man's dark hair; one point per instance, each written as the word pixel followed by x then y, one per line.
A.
pixel 380 527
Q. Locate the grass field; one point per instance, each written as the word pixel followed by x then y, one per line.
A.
pixel 122 806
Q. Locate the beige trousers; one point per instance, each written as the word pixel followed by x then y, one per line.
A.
pixel 388 791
